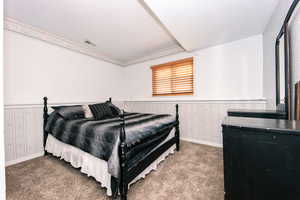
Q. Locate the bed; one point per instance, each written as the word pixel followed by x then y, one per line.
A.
pixel 116 150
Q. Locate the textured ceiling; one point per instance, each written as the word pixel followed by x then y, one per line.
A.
pixel 198 24
pixel 121 30
pixel 131 31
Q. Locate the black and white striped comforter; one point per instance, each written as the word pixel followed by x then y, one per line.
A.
pixel 101 137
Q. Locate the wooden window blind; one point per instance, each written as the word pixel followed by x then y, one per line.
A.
pixel 173 78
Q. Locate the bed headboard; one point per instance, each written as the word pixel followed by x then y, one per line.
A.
pixel 46 115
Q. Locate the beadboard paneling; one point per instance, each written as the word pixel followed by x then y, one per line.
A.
pixel 200 121
pixel 23 131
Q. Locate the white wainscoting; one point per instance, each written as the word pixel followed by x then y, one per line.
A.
pixel 23 131
pixel 200 121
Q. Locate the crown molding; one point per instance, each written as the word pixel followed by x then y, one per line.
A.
pixel 170 50
pixel 37 33
pixel 34 32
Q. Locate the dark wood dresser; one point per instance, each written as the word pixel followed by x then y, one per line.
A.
pixel 261 159
pixel 270 114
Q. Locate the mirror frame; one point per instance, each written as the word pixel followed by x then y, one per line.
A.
pixel 287 72
pixel 287 68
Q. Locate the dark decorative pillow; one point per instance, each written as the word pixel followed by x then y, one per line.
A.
pixel 114 109
pixel 70 112
pixel 101 110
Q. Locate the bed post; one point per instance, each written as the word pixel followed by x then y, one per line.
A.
pixel 123 160
pixel 45 116
pixel 177 131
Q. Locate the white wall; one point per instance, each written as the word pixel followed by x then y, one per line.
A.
pixel 34 69
pixel 269 38
pixel 295 48
pixel 225 76
pixel 228 71
pixel 295 45
pixel 2 162
pixel 2 158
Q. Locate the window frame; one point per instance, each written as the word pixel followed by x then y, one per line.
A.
pixel 171 65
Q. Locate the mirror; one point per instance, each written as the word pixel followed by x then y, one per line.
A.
pixel 297 101
pixel 283 70
pixel 281 73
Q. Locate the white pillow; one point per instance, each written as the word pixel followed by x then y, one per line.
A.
pixel 87 111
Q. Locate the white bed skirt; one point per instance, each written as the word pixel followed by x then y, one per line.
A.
pixel 93 166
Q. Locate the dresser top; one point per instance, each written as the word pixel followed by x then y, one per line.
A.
pixel 256 111
pixel 268 125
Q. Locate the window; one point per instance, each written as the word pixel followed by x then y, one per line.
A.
pixel 173 78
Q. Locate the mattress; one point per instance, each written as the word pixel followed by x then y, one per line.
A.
pixel 144 131
pixel 96 167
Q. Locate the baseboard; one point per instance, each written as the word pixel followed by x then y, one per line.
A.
pixel 22 159
pixel 202 142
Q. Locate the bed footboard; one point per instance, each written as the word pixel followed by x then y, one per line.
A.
pixel 123 160
pixel 177 130
pixel 127 176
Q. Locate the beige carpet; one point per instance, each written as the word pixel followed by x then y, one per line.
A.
pixel 196 172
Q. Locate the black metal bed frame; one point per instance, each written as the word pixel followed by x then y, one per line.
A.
pixel 127 175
